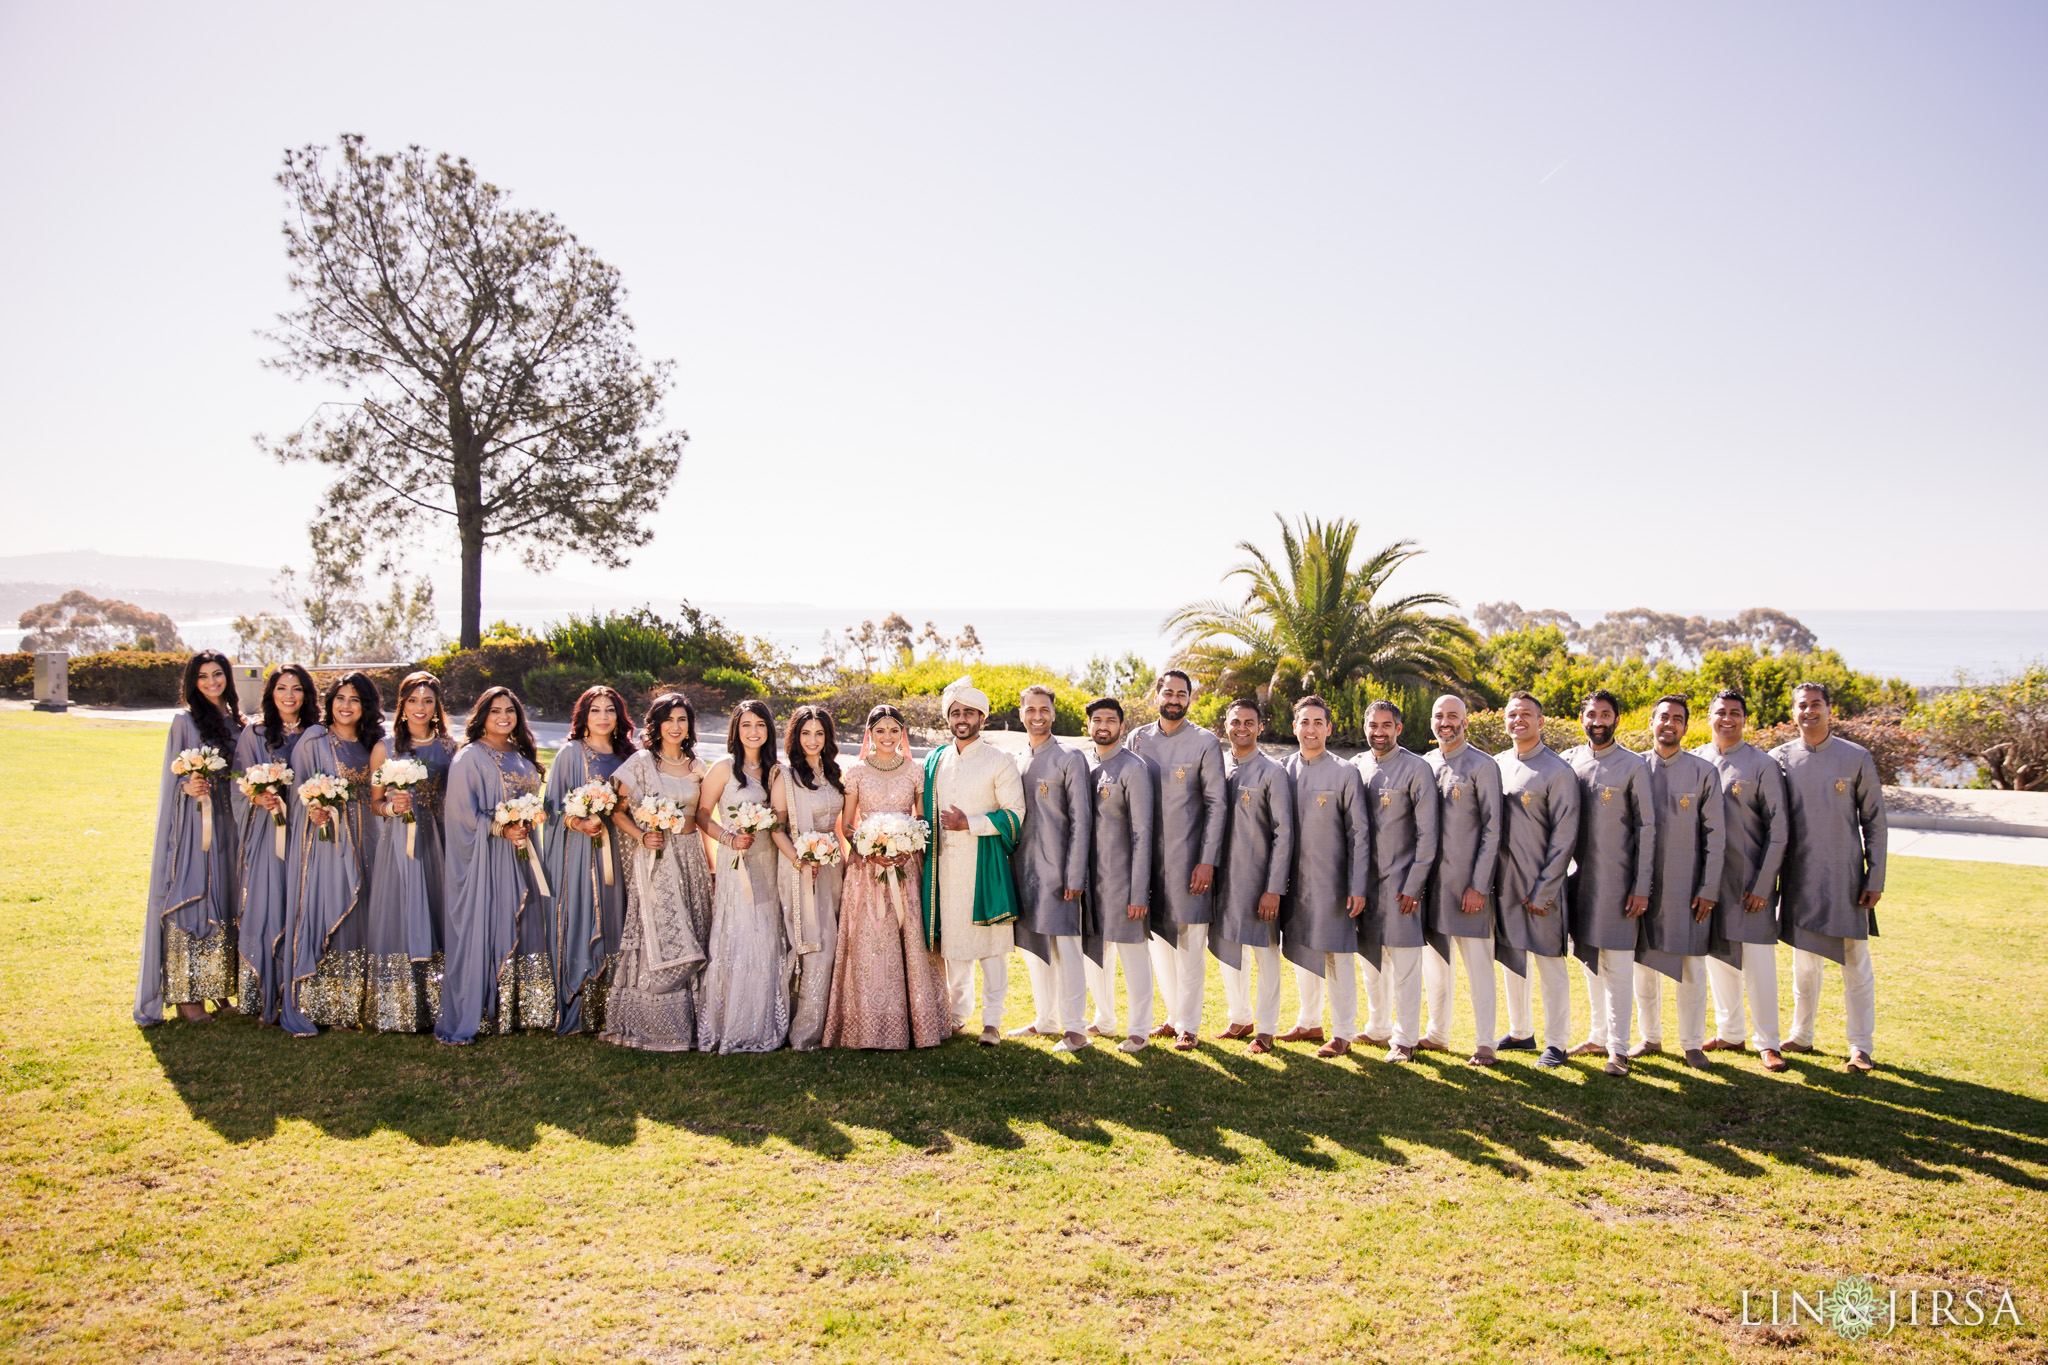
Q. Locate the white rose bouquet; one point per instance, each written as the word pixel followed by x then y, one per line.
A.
pixel 749 817
pixel 528 810
pixel 891 835
pixel 324 791
pixel 663 814
pixel 817 848
pixel 269 779
pixel 204 761
pixel 594 801
pixel 402 773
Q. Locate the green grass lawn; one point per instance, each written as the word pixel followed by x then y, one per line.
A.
pixel 215 1191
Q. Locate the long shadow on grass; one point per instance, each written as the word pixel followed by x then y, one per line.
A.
pixel 1216 1103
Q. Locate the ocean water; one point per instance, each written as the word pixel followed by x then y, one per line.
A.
pixel 1923 647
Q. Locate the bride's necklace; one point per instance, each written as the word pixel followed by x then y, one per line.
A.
pixel 875 762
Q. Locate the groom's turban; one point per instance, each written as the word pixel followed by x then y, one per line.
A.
pixel 966 693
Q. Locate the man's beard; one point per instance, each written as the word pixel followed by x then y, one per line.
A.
pixel 1600 736
pixel 1380 743
pixel 965 729
pixel 1171 710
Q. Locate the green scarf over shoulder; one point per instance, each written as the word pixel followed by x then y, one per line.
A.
pixel 995 888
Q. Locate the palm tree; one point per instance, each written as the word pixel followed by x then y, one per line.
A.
pixel 1312 621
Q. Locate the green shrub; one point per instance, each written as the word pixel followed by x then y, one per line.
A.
pixel 552 691
pixel 1487 732
pixel 17 674
pixel 613 644
pixel 385 680
pixel 465 673
pixel 1004 683
pixel 1206 712
pixel 2002 726
pixel 733 680
pixel 127 677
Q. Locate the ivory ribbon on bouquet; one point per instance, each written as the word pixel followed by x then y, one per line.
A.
pixel 601 847
pixel 540 878
pixel 206 822
pixel 802 817
pixel 277 838
pixel 412 828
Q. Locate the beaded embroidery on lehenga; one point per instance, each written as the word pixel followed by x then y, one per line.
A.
pixel 743 1004
pixel 652 1000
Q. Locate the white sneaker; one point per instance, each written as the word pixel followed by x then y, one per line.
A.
pixel 1132 1045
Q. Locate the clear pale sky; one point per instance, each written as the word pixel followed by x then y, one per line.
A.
pixel 1670 305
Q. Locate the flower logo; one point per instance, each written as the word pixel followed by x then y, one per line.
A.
pixel 1853 1307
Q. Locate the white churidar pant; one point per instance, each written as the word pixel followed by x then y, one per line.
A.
pixel 1756 978
pixel 1340 979
pixel 1557 1002
pixel 1059 991
pixel 1859 993
pixel 995 984
pixel 1692 1004
pixel 1610 999
pixel 1182 969
pixel 1265 1015
pixel 1137 988
pixel 1440 986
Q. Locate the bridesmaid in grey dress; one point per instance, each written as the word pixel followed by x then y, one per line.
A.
pixel 744 1005
pixel 403 929
pixel 289 699
pixel 326 967
pixel 814 797
pixel 652 1000
pixel 585 869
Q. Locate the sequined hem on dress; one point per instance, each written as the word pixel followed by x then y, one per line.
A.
pixel 197 969
pixel 333 995
pixel 398 1001
pixel 526 994
pixel 596 992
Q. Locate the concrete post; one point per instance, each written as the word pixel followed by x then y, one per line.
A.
pixel 53 680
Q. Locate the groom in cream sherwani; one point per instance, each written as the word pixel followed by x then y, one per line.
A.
pixel 970 781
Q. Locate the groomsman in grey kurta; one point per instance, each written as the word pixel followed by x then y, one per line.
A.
pixel 1743 958
pixel 1834 871
pixel 1188 841
pixel 1050 863
pixel 1258 853
pixel 1319 920
pixel 1401 799
pixel 1459 905
pixel 1539 831
pixel 1685 795
pixel 1610 888
pixel 1119 878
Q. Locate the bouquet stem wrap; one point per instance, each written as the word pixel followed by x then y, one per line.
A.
pixel 206 823
pixel 277 840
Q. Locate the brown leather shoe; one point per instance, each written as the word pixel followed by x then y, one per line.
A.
pixel 1588 1048
pixel 1298 1034
pixel 1185 1043
pixel 1163 1031
pixel 1236 1031
pixel 1723 1045
pixel 1092 1031
pixel 1427 1046
pixel 1859 1060
pixel 1336 1047
pixel 1260 1045
pixel 1772 1061
pixel 1616 1066
pixel 1796 1046
pixel 1400 1052
pixel 1698 1059
pixel 1369 1040
pixel 1482 1056
pixel 990 1036
pixel 1646 1048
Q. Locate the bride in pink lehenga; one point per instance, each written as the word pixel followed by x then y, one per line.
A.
pixel 888 991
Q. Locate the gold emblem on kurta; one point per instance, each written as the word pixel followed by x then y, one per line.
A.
pixel 1386 798
pixel 1606 795
pixel 1042 789
pixel 1180 774
pixel 1323 799
pixel 1454 793
pixel 1685 803
pixel 1527 797
pixel 1735 787
pixel 1840 785
pixel 1245 800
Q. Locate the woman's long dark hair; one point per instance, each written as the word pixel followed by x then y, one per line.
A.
pixel 309 703
pixel 401 731
pixel 657 716
pixel 213 721
pixel 752 706
pixel 828 757
pixel 370 728
pixel 622 730
pixel 522 733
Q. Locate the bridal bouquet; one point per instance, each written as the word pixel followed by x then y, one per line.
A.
pixel 663 814
pixel 817 847
pixel 528 810
pixel 402 773
pixel 269 779
pixel 749 817
pixel 201 762
pixel 891 835
pixel 594 801
pixel 323 790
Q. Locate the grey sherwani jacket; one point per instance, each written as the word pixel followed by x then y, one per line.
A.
pixel 1188 821
pixel 1837 844
pixel 1753 816
pixel 1685 794
pixel 1052 851
pixel 1332 860
pixel 1258 854
pixel 1617 850
pixel 1120 862
pixel 1539 830
pixel 1401 800
pixel 1468 818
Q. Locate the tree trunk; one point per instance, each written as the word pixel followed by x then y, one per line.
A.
pixel 468 484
